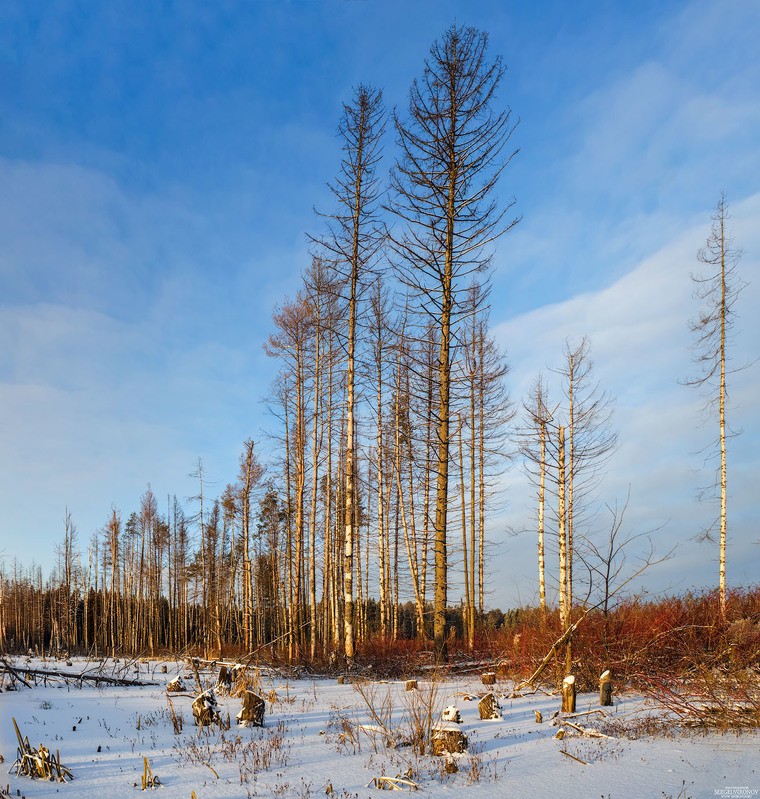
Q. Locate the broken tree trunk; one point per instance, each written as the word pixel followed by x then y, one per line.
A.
pixel 252 713
pixel 605 688
pixel 224 680
pixel 38 763
pixel 568 694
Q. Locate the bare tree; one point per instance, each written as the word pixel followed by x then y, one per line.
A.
pixel 353 241
pixel 533 440
pixel 718 290
pixel 452 153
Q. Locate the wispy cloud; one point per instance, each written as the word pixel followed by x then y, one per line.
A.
pixel 641 349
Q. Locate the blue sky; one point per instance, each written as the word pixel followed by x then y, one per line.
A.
pixel 160 165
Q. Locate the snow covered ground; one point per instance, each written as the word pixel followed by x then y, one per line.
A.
pixel 319 739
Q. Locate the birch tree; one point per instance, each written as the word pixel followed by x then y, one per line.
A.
pixel 353 241
pixel 717 289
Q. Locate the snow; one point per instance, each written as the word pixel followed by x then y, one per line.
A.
pixel 319 738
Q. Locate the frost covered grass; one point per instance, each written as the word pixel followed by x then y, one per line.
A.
pixel 321 738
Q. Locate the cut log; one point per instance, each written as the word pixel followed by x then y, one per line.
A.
pixel 252 713
pixel 489 707
pixel 411 685
pixel 448 738
pixel 605 688
pixel 488 678
pixel 568 694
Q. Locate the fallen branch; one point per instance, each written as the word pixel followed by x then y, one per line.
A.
pixel 590 731
pixel 573 757
pixel 397 783
pixel 529 683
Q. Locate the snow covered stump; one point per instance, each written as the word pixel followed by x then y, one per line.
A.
pixel 489 707
pixel 206 709
pixel 252 714
pixel 605 689
pixel 488 678
pixel 568 694
pixel 176 685
pixel 448 738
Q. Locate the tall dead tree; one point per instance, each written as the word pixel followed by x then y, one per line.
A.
pixel 250 475
pixel 533 447
pixel 452 152
pixel 353 242
pixel 717 290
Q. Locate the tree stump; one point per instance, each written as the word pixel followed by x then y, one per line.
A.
pixel 411 685
pixel 448 738
pixel 252 714
pixel 568 694
pixel 605 688
pixel 451 713
pixel 489 707
pixel 206 709
pixel 224 680
pixel 176 686
pixel 489 678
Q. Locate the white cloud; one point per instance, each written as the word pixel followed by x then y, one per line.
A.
pixel 640 349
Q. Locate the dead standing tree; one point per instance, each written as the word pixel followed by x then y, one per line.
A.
pixel 452 144
pixel 352 245
pixel 718 290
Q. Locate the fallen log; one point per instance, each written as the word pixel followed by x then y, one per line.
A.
pixel 79 677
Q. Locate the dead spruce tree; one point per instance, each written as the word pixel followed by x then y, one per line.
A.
pixel 453 149
pixel 718 290
pixel 352 245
